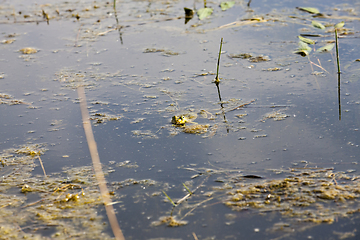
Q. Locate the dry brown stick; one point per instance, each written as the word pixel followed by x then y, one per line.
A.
pixel 194 235
pixel 97 166
pixel 42 166
pixel 33 203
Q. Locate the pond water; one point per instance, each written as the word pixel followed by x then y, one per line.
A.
pixel 282 124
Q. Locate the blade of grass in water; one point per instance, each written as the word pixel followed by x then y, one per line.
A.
pixel 187 188
pixel 169 199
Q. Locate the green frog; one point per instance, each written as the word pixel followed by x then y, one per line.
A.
pixel 179 120
pixel 193 127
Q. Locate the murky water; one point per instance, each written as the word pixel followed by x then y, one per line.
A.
pixel 156 67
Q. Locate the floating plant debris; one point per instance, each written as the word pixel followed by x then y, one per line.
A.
pixel 196 128
pixel 241 55
pixel 259 58
pixel 164 51
pixel 8 99
pixel 103 117
pixel 296 196
pixel 276 115
pixel 28 50
pixel 67 208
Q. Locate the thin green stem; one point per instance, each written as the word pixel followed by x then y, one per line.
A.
pixel 217 80
pixel 337 51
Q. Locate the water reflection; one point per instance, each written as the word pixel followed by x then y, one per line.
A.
pixel 118 26
pixel 339 97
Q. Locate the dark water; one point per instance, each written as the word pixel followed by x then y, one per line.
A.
pixel 155 87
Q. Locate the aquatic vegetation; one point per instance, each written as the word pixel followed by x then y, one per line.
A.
pixel 259 58
pixel 196 128
pixel 8 41
pixel 164 51
pixel 276 115
pixel 146 134
pixel 274 69
pixel 28 50
pixel 172 94
pixel 169 221
pixel 241 55
pixel 64 206
pixel 103 117
pixel 9 100
pixel 295 195
pixel 306 195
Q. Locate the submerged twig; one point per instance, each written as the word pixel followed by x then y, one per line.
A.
pixel 97 166
pixel 240 23
pixel 241 106
pixel 42 166
pixel 77 36
pixel 197 205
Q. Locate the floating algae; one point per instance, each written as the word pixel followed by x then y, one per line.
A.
pixel 170 221
pixel 276 115
pixel 9 100
pixel 164 51
pixel 66 208
pixel 196 128
pixel 103 117
pixel 28 50
pixel 304 197
pixel 307 195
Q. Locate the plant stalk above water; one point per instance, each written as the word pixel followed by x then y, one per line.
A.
pixel 337 51
pixel 217 80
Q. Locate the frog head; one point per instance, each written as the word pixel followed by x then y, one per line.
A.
pixel 179 120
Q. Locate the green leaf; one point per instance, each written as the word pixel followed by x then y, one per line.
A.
pixel 317 24
pixel 204 12
pixel 326 48
pixel 309 10
pixel 304 46
pixel 306 40
pixel 226 5
pixel 303 49
pixel 339 25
